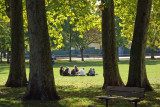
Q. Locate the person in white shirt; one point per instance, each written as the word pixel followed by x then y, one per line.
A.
pixel 81 72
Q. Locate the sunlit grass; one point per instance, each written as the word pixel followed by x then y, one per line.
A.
pixel 80 91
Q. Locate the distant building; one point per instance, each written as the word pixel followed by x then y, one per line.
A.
pixel 94 45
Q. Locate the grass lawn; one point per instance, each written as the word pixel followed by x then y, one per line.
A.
pixel 80 91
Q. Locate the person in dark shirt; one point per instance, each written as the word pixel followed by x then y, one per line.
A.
pixel 66 72
pixel 91 72
pixel 61 70
pixel 76 69
pixel 73 72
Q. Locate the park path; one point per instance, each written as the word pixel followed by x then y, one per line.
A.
pixel 75 58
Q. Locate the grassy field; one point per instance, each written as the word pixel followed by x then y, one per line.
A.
pixel 80 91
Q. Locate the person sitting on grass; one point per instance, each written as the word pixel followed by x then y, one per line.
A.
pixel 61 70
pixel 91 72
pixel 66 72
pixel 81 72
pixel 76 69
pixel 73 72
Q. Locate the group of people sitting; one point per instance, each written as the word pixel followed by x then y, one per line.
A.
pixel 76 72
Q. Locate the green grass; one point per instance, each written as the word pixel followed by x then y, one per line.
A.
pixel 80 91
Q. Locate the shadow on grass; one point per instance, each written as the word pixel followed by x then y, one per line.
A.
pixel 8 95
pixel 4 63
pixel 153 98
pixel 11 97
pixel 152 62
pixel 71 96
pixel 2 69
pixel 4 66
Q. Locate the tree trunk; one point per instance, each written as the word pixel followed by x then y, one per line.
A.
pixel 70 40
pixel 110 63
pixel 8 56
pixel 117 53
pixel 137 70
pixel 41 80
pixel 17 75
pixel 152 54
pixel 1 57
pixel 82 58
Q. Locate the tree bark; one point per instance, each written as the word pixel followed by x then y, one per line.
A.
pixel 137 69
pixel 41 80
pixel 17 75
pixel 1 57
pixel 82 57
pixel 117 53
pixel 8 54
pixel 70 40
pixel 110 63
pixel 152 54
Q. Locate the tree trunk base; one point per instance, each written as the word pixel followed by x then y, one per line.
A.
pixel 120 83
pixel 152 58
pixel 40 96
pixel 146 86
pixel 14 84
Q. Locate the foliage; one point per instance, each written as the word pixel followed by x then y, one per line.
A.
pixel 126 11
pixel 120 40
pixel 154 27
pixel 5 26
pixel 5 39
pixel 83 17
pixel 91 36
pixel 79 14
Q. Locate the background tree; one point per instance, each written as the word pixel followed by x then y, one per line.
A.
pixel 41 80
pixel 121 41
pixel 17 75
pixel 110 65
pixel 5 39
pixel 154 28
pixel 137 69
pixel 126 10
pixel 82 42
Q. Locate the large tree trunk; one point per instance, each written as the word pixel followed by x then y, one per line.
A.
pixel 17 75
pixel 82 57
pixel 137 70
pixel 41 80
pixel 110 63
